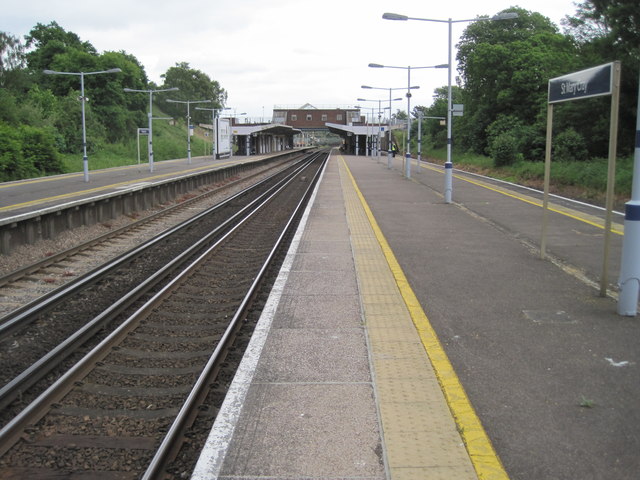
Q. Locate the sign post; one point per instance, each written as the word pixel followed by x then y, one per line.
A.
pixel 592 82
pixel 141 131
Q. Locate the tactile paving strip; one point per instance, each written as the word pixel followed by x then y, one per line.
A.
pixel 420 434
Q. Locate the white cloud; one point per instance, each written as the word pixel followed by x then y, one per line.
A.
pixel 266 52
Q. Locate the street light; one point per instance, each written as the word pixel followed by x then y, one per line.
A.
pixel 389 161
pixel 150 115
pixel 188 102
pixel 448 172
pixel 408 69
pixel 214 128
pixel 379 115
pixel 83 99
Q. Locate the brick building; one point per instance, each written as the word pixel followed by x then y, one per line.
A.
pixel 308 117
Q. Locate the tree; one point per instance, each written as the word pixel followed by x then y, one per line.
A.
pixel 11 56
pixel 607 30
pixel 623 19
pixel 40 115
pixel 586 25
pixel 434 129
pixel 57 49
pixel 47 41
pixel 505 67
pixel 13 75
pixel 193 85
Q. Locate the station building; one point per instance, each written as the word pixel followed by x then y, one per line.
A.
pixel 250 139
pixel 296 127
pixel 263 138
pixel 357 135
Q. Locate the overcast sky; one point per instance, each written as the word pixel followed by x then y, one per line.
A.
pixel 277 52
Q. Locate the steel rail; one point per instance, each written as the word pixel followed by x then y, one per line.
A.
pixel 34 267
pixel 12 431
pixel 13 389
pixel 170 445
pixel 19 317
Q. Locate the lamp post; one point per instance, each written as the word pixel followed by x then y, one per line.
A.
pixel 188 103
pixel 420 114
pixel 379 113
pixel 83 99
pixel 389 161
pixel 150 115
pixel 214 129
pixel 448 173
pixel 409 87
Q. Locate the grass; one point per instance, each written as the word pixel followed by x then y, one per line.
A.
pixel 586 180
pixel 585 402
pixel 581 180
pixel 169 142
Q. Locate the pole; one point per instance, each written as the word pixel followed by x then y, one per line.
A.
pixel 85 159
pixel 419 139
pixel 407 166
pixel 547 179
pixel 389 147
pixel 629 281
pixel 611 175
pixel 216 126
pixel 368 143
pixel 213 134
pixel 448 166
pixel 379 143
pixel 150 139
pixel 188 136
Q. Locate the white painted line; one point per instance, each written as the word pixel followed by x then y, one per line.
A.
pixel 134 186
pixel 213 454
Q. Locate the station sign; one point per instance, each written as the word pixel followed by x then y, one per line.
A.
pixel 592 82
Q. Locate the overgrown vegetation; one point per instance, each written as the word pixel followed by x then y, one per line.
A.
pixel 40 113
pixel 169 142
pixel 586 180
pixel 504 68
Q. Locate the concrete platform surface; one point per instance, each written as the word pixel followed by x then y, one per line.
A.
pixel 407 338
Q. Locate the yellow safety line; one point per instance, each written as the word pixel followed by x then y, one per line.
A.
pixel 39 180
pixel 481 452
pixel 98 189
pixel 618 229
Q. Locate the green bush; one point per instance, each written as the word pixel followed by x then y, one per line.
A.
pixel 38 149
pixel 27 152
pixel 504 150
pixel 569 146
pixel 12 163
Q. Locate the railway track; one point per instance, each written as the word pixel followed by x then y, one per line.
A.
pixel 21 286
pixel 109 411
pixel 38 336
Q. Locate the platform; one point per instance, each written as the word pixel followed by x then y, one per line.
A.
pixel 31 195
pixel 408 338
pixel 339 365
